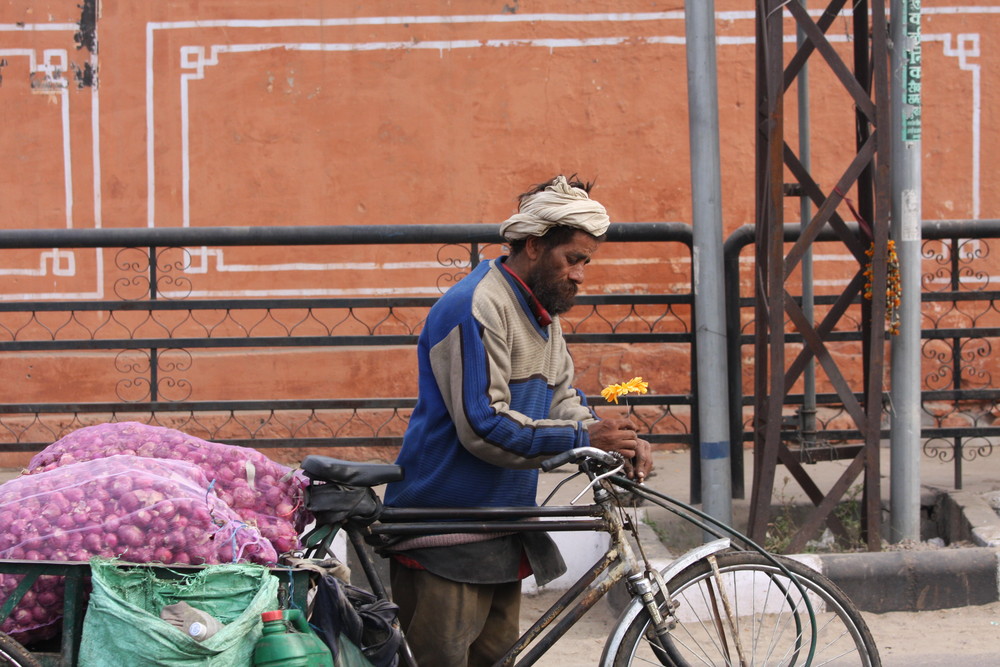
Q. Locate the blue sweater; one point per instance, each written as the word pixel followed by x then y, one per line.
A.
pixel 495 399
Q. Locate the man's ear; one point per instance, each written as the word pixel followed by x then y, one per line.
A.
pixel 533 247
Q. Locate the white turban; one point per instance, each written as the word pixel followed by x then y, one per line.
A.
pixel 558 204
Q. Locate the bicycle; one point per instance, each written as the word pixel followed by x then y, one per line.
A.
pixel 726 602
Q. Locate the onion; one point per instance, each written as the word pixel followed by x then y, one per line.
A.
pixel 134 508
pixel 272 493
pixel 131 536
pixel 94 542
pixel 129 501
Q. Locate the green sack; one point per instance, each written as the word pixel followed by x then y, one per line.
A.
pixel 349 655
pixel 123 625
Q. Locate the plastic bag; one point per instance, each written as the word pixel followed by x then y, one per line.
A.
pixel 263 492
pixel 342 611
pixel 123 624
pixel 142 510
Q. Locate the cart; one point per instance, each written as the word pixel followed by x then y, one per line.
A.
pixel 63 651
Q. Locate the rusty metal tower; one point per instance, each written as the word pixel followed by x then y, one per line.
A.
pixel 779 315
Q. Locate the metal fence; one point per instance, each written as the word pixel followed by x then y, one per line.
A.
pixel 961 321
pixel 137 354
pixel 141 352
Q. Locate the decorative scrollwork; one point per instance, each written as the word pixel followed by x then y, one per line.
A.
pixel 972 451
pixel 446 280
pixel 168 387
pixel 957 262
pixel 947 450
pixel 460 256
pixel 971 352
pixel 939 448
pixel 671 320
pixel 133 260
pixel 30 429
pixel 134 287
pixel 940 353
pixel 661 419
pixel 173 390
pixel 132 361
pixel 312 426
pixel 133 390
pixel 171 266
pixel 138 365
pixel 454 255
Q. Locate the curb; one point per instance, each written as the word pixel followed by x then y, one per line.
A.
pixel 922 580
pixel 913 580
pixel 970 517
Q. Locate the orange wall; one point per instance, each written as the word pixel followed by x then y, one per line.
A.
pixel 346 113
pixel 389 112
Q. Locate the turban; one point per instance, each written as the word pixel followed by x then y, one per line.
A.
pixel 558 204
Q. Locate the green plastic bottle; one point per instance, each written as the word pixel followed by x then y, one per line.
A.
pixel 289 646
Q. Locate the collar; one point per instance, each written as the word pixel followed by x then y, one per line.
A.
pixel 541 315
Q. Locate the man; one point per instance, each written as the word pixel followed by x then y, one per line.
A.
pixel 495 400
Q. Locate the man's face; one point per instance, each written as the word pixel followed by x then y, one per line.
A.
pixel 557 273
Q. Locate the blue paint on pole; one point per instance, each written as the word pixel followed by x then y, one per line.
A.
pixel 714 450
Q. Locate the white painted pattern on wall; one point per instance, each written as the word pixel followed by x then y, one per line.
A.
pixel 195 58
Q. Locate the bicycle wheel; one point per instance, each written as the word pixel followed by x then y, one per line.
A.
pixel 751 613
pixel 12 654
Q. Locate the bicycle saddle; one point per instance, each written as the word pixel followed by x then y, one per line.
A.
pixel 351 473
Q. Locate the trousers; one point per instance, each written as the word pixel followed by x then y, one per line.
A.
pixel 454 624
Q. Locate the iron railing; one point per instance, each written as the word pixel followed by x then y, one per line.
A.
pixel 147 343
pixel 961 321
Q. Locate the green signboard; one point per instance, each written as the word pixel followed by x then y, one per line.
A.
pixel 912 73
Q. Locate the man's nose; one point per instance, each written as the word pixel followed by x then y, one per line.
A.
pixel 576 274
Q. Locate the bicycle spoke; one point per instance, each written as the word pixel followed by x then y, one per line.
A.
pixel 704 629
pixel 750 613
pixel 725 598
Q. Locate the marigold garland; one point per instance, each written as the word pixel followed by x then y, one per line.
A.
pixel 893 285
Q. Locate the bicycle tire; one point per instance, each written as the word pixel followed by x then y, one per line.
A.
pixel 770 619
pixel 12 654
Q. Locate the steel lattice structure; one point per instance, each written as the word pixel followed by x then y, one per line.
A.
pixel 777 312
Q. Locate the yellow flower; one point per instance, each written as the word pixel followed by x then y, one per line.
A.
pixel 636 386
pixel 613 392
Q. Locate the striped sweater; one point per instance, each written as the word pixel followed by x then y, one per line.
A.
pixel 495 399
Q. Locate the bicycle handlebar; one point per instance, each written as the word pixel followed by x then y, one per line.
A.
pixel 578 454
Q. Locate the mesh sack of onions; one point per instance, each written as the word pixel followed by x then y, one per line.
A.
pixel 263 492
pixel 137 509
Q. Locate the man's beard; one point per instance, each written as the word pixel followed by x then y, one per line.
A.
pixel 556 296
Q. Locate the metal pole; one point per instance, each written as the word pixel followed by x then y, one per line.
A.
pixel 904 438
pixel 808 412
pixel 709 297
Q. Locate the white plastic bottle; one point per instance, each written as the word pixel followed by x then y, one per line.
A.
pixel 197 624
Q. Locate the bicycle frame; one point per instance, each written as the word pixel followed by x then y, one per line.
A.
pixel 618 563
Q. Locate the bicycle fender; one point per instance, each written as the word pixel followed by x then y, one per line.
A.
pixel 636 606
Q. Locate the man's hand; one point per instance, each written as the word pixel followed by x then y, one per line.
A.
pixel 618 435
pixel 642 464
